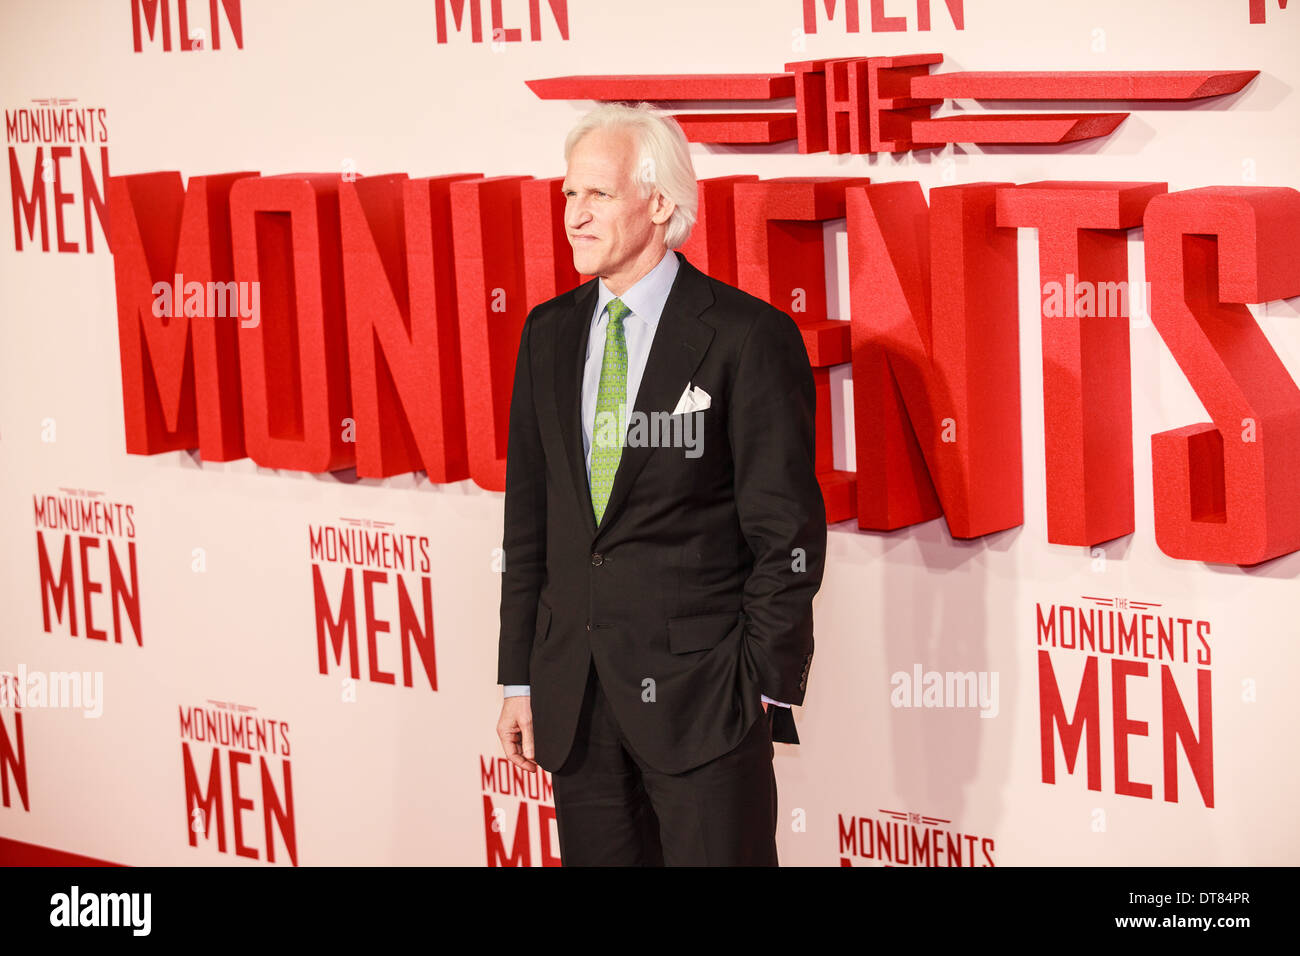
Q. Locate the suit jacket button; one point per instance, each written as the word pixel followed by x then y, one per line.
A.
pixel 597 559
pixel 589 625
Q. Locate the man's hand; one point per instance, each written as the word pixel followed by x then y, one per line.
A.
pixel 517 722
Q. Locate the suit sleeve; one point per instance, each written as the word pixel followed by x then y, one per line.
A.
pixel 779 502
pixel 524 537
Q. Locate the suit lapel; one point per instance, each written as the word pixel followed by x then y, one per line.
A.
pixel 679 344
pixel 570 355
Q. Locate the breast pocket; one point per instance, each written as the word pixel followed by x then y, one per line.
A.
pixel 698 458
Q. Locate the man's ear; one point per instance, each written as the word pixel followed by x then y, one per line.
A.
pixel 662 208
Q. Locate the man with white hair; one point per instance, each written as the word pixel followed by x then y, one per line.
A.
pixel 664 529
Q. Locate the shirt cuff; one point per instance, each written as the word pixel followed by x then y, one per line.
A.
pixel 769 700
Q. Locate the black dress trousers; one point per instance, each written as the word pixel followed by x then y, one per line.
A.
pixel 612 809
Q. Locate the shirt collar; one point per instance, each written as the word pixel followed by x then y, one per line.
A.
pixel 648 295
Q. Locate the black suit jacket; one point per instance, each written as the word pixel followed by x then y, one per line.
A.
pixel 694 595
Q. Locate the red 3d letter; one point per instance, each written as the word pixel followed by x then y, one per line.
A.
pixel 180 365
pixel 1087 403
pixel 293 361
pixel 1226 492
pixel 936 358
pixel 403 327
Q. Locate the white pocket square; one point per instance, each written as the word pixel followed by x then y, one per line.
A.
pixel 694 399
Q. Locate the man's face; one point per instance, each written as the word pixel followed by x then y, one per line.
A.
pixel 611 227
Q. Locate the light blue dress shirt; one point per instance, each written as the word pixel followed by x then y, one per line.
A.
pixel 646 298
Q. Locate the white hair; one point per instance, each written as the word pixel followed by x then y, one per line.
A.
pixel 663 159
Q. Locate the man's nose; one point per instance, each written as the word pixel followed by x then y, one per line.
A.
pixel 578 214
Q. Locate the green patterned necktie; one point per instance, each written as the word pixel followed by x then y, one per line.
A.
pixel 607 431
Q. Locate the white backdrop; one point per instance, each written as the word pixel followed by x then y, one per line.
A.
pixel 392 774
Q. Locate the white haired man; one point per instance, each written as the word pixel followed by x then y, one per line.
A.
pixel 656 602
